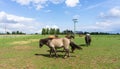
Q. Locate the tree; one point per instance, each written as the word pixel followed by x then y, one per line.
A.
pixel 67 32
pixel 51 31
pixel 43 31
pixel 13 32
pixel 47 31
pixel 8 32
pixel 17 32
pixel 57 31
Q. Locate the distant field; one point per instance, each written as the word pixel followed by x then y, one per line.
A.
pixel 18 52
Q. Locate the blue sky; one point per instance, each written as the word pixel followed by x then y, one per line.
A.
pixel 30 16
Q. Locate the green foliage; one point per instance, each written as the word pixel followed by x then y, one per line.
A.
pixel 46 31
pixel 43 31
pixel 67 32
pixel 16 32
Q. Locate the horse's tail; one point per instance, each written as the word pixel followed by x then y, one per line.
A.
pixel 74 46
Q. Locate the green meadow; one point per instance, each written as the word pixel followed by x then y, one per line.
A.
pixel 23 52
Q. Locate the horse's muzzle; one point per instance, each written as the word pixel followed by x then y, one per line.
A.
pixel 40 45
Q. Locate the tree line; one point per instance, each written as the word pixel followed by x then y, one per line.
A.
pixel 46 31
pixel 54 31
pixel 14 33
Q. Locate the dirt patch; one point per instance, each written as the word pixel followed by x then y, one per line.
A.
pixel 29 65
pixel 20 42
pixel 25 42
pixel 33 40
pixel 22 47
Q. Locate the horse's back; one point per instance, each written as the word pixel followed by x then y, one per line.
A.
pixel 56 42
pixel 59 42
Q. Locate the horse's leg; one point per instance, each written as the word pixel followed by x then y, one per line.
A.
pixel 87 43
pixel 66 53
pixel 51 50
pixel 55 52
pixel 72 49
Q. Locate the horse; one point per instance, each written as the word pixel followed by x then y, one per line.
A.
pixel 88 39
pixel 70 36
pixel 58 43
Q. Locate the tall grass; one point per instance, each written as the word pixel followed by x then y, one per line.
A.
pixel 19 53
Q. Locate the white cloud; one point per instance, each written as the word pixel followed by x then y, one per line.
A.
pixel 76 17
pixel 109 21
pixel 27 2
pixel 23 2
pixel 71 3
pixel 51 26
pixel 38 7
pixel 115 12
pixel 39 4
pixel 103 26
pixel 8 18
pixel 14 23
pixel 112 13
pixel 57 1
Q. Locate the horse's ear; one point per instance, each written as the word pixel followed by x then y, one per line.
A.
pixel 73 37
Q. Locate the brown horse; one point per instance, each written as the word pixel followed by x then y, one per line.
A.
pixel 58 43
pixel 88 39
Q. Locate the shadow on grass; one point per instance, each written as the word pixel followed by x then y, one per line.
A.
pixel 62 51
pixel 47 55
pixel 83 45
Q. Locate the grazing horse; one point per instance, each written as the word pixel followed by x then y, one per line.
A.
pixel 88 39
pixel 54 43
pixel 58 43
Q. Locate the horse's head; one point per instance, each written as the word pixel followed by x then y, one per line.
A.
pixel 41 43
pixel 70 36
pixel 44 42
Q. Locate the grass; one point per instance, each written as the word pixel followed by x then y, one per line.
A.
pixel 18 52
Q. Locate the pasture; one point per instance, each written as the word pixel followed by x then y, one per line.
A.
pixel 23 52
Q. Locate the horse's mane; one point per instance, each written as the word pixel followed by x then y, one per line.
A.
pixel 45 40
